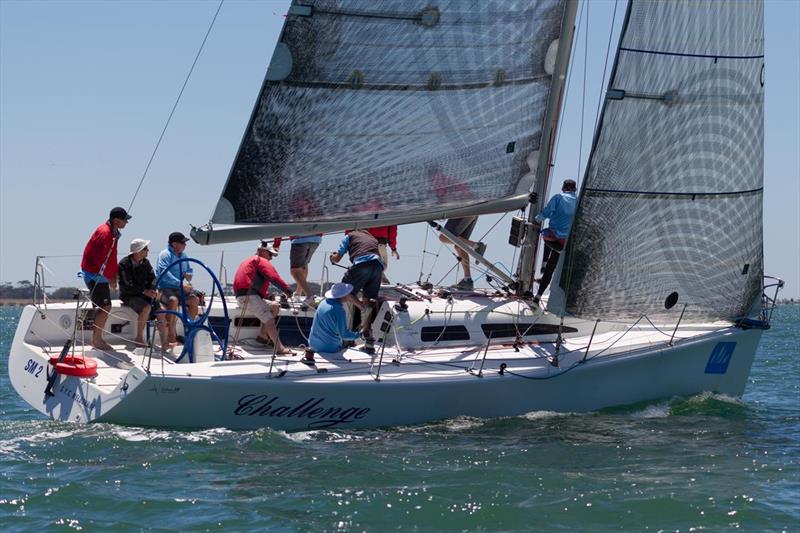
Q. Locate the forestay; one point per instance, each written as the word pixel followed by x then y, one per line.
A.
pixel 672 199
pixel 399 110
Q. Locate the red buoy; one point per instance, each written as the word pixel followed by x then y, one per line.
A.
pixel 75 365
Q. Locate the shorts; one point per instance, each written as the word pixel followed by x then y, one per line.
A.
pixel 461 227
pixel 168 293
pixel 256 306
pixel 300 254
pixel 137 302
pixel 99 293
pixel 366 276
pixel 552 240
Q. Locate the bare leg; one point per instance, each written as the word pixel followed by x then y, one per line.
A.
pixel 350 299
pixel 100 318
pixel 270 329
pixel 161 324
pixel 367 315
pixel 140 324
pixel 462 255
pixel 300 276
pixel 385 258
pixel 172 305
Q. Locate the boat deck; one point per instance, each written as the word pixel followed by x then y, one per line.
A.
pixel 354 364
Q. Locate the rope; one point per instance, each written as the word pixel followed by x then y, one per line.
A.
pixel 174 106
pixel 424 248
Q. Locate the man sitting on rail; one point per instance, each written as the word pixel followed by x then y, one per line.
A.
pixel 176 278
pixel 137 288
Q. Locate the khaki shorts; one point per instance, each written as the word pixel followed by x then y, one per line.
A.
pixel 256 306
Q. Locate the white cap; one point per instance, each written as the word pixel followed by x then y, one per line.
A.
pixel 265 245
pixel 137 245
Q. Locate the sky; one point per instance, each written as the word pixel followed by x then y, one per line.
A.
pixel 86 88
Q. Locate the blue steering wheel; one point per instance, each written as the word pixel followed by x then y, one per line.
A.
pixel 192 326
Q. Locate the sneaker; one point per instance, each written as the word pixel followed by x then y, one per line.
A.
pixel 480 248
pixel 464 285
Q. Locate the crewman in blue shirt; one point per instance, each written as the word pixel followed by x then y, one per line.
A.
pixel 559 213
pixel 175 279
pixel 329 330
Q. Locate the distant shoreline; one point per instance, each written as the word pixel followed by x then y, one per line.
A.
pixel 26 301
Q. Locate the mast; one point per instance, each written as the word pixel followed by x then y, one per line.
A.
pixel 525 267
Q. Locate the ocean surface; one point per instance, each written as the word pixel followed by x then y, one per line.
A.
pixel 704 463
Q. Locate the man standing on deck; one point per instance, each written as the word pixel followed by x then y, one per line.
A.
pixel 364 275
pixel 559 212
pixel 251 285
pixel 99 270
pixel 299 257
pixel 462 228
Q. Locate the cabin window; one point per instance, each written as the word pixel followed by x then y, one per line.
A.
pixel 510 329
pixel 247 322
pixel 444 333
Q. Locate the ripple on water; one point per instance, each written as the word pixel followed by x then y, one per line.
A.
pixel 707 462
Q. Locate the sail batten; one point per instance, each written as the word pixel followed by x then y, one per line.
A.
pixel 672 196
pixel 395 110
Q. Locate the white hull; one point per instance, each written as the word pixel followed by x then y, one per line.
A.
pixel 429 383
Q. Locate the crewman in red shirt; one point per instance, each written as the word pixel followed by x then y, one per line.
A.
pixel 99 270
pixel 251 285
pixel 386 235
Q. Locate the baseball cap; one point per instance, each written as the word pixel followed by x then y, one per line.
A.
pixel 177 236
pixel 120 213
pixel 266 245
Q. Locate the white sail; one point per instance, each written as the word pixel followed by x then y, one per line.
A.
pixel 379 112
pixel 672 199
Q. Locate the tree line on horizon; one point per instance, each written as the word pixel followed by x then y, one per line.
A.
pixel 24 289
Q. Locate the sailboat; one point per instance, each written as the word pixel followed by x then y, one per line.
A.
pixel 395 112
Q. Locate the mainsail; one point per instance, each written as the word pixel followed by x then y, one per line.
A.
pixel 672 197
pixel 393 111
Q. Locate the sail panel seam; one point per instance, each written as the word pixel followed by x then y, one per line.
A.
pixel 682 54
pixel 409 87
pixel 624 192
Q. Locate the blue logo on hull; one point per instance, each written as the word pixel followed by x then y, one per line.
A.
pixel 720 358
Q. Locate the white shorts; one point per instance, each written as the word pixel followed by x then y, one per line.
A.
pixel 256 306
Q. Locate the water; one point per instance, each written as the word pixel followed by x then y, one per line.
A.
pixel 707 462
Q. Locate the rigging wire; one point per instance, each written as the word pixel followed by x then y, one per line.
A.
pixel 424 249
pixel 569 264
pixel 605 66
pixel 583 94
pixel 175 105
